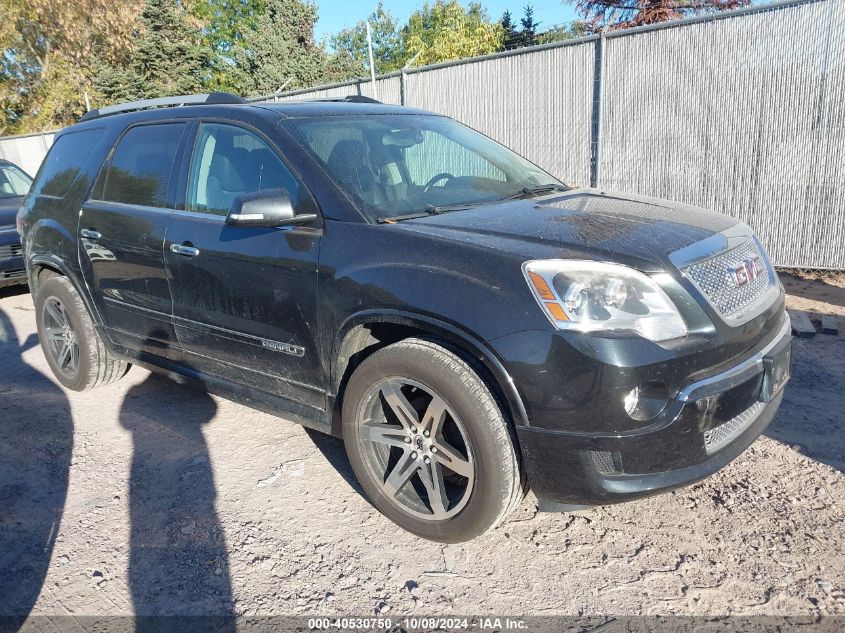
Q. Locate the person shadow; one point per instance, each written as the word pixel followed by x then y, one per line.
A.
pixel 178 564
pixel 36 442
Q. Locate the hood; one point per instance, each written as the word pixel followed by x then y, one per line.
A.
pixel 9 210
pixel 581 224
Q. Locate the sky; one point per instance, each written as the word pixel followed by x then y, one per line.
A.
pixel 334 15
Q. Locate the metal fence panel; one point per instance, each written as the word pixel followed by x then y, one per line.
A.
pixel 388 90
pixel 741 112
pixel 536 103
pixel 340 90
pixel 26 152
pixel 743 115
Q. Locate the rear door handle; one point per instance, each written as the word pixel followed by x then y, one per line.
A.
pixel 181 249
pixel 90 234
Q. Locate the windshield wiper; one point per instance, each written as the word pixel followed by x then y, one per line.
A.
pixel 429 210
pixel 527 192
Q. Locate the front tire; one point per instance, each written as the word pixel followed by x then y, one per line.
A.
pixel 76 355
pixel 429 443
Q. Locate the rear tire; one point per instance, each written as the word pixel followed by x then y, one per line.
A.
pixel 77 356
pixel 429 443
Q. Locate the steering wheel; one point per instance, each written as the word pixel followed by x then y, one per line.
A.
pixel 437 178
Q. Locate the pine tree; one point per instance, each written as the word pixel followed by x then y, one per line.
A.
pixel 511 36
pixel 169 58
pixel 279 50
pixel 528 34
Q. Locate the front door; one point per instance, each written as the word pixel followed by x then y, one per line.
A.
pixel 122 237
pixel 244 298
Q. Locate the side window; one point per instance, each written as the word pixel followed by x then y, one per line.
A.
pixel 63 162
pixel 228 162
pixel 141 166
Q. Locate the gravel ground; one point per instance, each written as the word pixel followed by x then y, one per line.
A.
pixel 153 498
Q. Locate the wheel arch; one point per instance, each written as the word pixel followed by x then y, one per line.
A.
pixel 43 266
pixel 366 332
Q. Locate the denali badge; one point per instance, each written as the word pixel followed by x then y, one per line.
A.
pixel 285 348
pixel 747 270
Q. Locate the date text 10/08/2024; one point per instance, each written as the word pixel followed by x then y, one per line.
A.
pixel 418 623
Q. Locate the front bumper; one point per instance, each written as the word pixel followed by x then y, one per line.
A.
pixel 12 269
pixel 712 418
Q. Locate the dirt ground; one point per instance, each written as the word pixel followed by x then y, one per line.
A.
pixel 153 498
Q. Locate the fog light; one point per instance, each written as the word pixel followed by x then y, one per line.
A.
pixel 646 401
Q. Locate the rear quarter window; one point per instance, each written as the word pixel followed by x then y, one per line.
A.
pixel 63 162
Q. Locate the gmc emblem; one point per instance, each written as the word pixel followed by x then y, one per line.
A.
pixel 747 270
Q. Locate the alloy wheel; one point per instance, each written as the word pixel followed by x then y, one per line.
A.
pixel 62 340
pixel 417 448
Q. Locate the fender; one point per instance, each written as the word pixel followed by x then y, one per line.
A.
pixel 51 261
pixel 450 334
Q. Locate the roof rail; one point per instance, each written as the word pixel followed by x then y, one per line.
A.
pixel 346 99
pixel 161 102
pixel 360 99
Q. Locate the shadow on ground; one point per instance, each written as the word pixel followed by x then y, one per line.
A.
pixel 812 416
pixel 335 453
pixel 818 287
pixel 178 563
pixel 35 457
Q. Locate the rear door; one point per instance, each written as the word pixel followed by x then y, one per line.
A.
pixel 121 230
pixel 244 298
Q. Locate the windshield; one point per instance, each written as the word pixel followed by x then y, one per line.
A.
pixel 394 165
pixel 13 181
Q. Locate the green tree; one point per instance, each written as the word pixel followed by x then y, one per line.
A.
pixel 350 45
pixel 528 33
pixel 49 53
pixel 621 14
pixel 279 50
pixel 221 24
pixel 168 59
pixel 445 31
pixel 510 37
pixel 563 32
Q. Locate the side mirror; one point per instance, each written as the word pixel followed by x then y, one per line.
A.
pixel 269 208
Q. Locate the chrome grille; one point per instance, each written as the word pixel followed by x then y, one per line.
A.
pixel 716 439
pixel 10 250
pixel 714 279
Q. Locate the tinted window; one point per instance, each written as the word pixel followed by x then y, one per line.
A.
pixel 61 166
pixel 140 168
pixel 13 182
pixel 229 162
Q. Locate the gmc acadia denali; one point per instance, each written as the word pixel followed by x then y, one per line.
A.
pixel 467 323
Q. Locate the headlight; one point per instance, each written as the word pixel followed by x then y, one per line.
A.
pixel 595 296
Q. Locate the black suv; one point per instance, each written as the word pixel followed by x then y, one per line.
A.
pixel 470 325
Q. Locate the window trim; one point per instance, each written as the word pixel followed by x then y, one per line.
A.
pixel 185 174
pixel 174 172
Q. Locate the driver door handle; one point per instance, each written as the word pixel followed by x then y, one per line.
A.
pixel 90 234
pixel 181 249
